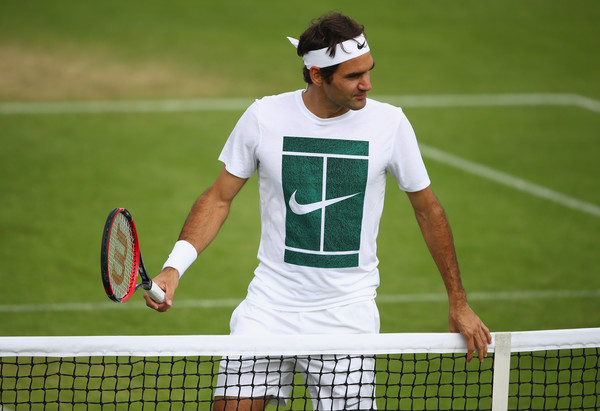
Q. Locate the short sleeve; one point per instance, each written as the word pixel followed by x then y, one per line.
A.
pixel 406 164
pixel 239 152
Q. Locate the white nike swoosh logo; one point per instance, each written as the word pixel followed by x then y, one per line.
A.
pixel 301 209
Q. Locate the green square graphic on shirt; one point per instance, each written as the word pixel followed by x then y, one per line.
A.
pixel 324 183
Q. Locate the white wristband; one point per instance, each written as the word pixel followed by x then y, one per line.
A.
pixel 182 256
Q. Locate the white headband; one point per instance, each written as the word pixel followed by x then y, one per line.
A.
pixel 344 51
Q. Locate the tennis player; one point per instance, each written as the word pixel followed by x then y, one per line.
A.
pixel 321 155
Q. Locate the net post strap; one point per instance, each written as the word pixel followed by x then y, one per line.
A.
pixel 501 371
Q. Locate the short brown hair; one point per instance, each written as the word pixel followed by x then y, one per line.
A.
pixel 326 32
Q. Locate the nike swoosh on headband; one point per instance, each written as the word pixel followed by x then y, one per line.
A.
pixel 345 51
pixel 301 209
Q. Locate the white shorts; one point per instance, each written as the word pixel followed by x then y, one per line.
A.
pixel 334 382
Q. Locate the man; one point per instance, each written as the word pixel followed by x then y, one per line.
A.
pixel 322 156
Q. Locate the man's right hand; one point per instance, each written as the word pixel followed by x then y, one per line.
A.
pixel 168 280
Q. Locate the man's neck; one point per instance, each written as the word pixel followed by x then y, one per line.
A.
pixel 317 103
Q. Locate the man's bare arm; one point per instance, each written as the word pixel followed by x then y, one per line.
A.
pixel 211 210
pixel 438 237
pixel 206 217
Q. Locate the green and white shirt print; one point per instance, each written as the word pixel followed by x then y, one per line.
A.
pixel 324 182
pixel 322 186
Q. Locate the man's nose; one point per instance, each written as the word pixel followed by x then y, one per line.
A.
pixel 365 82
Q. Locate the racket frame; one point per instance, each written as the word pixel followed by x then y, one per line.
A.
pixel 155 292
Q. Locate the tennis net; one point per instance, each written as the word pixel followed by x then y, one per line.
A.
pixel 535 370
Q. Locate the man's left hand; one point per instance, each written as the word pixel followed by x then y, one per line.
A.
pixel 462 319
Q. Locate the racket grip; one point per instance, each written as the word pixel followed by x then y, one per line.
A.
pixel 156 293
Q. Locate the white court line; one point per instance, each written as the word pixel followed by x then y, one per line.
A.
pixel 508 180
pixel 494 100
pixel 466 100
pixel 124 106
pixel 229 104
pixel 232 302
pixel 490 296
pixel 404 101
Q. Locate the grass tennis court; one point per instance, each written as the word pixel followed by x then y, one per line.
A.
pixel 528 262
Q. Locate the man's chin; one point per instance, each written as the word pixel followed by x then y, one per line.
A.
pixel 358 104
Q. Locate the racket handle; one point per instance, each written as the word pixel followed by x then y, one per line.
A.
pixel 156 293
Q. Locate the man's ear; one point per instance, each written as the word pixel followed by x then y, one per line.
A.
pixel 315 76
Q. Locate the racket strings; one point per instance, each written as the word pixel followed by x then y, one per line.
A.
pixel 122 258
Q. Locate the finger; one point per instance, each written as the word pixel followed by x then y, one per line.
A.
pixel 488 335
pixel 150 302
pixel 482 351
pixel 482 346
pixel 164 306
pixel 470 349
pixel 169 294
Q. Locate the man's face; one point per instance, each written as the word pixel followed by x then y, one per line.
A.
pixel 350 83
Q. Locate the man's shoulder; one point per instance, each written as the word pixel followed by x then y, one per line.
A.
pixel 382 111
pixel 279 98
pixel 381 106
pixel 268 104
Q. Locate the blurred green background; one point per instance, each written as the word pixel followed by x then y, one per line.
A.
pixel 527 263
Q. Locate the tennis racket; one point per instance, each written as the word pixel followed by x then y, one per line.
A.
pixel 121 260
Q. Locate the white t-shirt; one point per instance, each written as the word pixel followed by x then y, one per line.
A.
pixel 322 187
